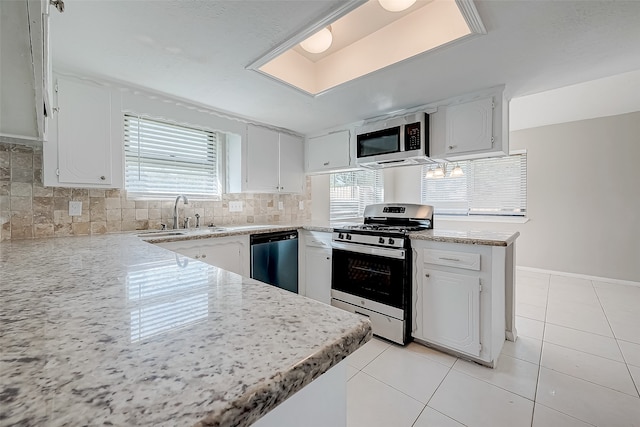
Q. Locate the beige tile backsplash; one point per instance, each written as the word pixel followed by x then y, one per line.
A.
pixel 30 210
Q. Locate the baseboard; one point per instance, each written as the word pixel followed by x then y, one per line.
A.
pixel 580 276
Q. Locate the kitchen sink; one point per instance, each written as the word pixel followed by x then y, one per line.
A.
pixel 161 233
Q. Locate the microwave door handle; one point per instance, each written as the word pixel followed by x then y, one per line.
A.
pixel 369 250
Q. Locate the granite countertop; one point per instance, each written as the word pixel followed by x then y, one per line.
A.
pixel 112 330
pixel 469 237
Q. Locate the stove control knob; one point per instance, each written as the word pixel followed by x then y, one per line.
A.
pixel 381 240
pixel 348 236
pixel 340 236
pixel 391 242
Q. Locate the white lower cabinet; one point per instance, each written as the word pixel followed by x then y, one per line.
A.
pixel 228 253
pixel 459 298
pixel 455 321
pixel 315 265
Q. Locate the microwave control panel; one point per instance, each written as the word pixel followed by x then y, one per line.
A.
pixel 412 136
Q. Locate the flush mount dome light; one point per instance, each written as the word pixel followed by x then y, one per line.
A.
pixel 319 42
pixel 396 5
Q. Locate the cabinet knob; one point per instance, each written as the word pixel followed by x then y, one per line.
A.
pixel 204 255
pixel 426 275
pixel 197 256
pixel 451 147
pixel 328 257
pixel 326 163
pixel 103 177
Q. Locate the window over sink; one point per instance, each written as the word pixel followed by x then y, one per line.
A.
pixel 350 192
pixel 163 159
pixel 494 186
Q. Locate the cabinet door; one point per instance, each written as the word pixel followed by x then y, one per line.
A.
pixel 84 133
pixel 291 164
pixel 450 310
pixel 262 160
pixel 469 126
pixel 227 255
pixel 328 152
pixel 318 274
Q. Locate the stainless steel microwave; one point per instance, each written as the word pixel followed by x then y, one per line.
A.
pixel 394 142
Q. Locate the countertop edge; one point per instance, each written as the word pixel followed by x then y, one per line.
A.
pixel 261 399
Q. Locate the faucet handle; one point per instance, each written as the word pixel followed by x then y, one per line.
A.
pixel 197 220
pixel 164 226
pixel 186 222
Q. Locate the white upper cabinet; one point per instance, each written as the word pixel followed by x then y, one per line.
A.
pixel 470 126
pixel 24 69
pixel 328 152
pixel 269 162
pixel 262 159
pixel 85 147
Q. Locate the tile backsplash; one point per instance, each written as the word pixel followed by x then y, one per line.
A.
pixel 30 210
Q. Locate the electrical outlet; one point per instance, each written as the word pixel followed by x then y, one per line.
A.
pixel 75 208
pixel 301 205
pixel 235 206
pixel 281 206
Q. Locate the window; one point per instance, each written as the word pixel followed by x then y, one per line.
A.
pixel 492 186
pixel 350 192
pixel 165 159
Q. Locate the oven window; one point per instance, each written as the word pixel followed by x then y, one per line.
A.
pixel 380 142
pixel 373 277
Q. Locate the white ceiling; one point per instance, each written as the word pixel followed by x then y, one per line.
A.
pixel 198 50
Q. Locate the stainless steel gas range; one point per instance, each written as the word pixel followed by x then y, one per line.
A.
pixel 371 266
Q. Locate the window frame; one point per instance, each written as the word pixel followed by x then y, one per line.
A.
pixel 217 146
pixel 378 188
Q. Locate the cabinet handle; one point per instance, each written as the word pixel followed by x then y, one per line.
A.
pixel 326 163
pixel 103 177
pixel 451 147
pixel 449 259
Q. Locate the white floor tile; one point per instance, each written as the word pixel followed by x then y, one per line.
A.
pixel 596 369
pixel 408 372
pixel 371 403
pixel 631 352
pixel 524 348
pixel 578 291
pixel 529 328
pixel 635 374
pixel 351 371
pixel 365 354
pixel 586 401
pixel 514 375
pixel 531 295
pixel 432 418
pixel 531 311
pixel 479 404
pixel 547 417
pixel 625 324
pixel 618 297
pixel 583 341
pixel 431 353
pixel 579 316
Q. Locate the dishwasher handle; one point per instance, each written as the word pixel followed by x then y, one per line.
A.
pixel 256 239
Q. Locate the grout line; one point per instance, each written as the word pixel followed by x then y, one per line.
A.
pixel 544 329
pixel 568 415
pixel 637 386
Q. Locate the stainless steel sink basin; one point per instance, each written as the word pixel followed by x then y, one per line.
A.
pixel 162 233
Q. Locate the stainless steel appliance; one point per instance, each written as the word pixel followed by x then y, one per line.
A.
pixel 274 259
pixel 371 266
pixel 394 142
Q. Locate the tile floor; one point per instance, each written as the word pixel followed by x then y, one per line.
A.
pixel 576 363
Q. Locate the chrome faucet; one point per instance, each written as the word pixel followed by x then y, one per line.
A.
pixel 175 209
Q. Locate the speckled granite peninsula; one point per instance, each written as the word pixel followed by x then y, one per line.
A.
pixel 110 330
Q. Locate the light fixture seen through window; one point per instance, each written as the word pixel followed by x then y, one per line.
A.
pixel 457 171
pixel 319 42
pixel 396 5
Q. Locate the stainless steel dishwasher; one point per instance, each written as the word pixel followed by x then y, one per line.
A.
pixel 274 259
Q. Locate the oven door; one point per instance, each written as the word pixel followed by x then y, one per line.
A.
pixel 377 274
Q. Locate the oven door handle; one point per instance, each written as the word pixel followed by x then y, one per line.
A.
pixel 370 250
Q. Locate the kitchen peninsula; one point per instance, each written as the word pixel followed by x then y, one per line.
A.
pixel 113 330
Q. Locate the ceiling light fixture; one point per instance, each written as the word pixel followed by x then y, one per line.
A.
pixel 319 42
pixel 457 171
pixel 396 5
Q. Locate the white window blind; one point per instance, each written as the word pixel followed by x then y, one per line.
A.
pixel 492 186
pixel 165 159
pixel 350 192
